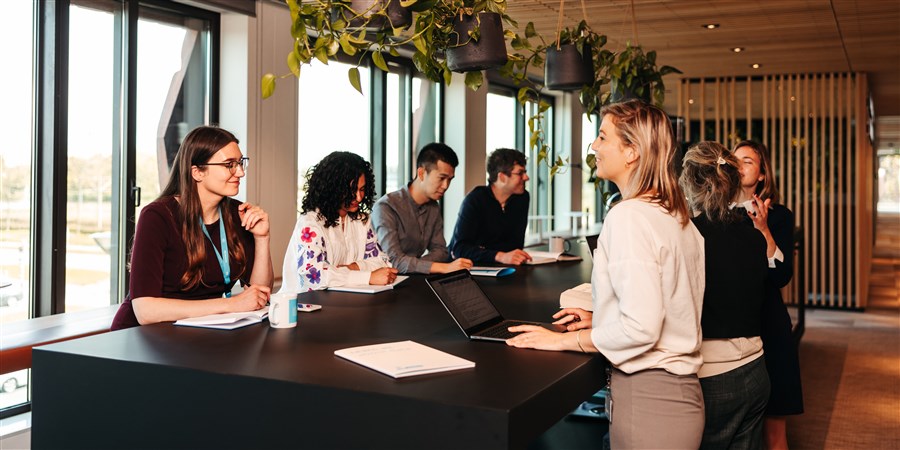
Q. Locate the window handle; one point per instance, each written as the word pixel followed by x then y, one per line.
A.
pixel 136 195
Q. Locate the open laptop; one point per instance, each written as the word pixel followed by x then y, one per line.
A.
pixel 472 310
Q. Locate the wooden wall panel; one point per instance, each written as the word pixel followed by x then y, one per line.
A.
pixel 815 126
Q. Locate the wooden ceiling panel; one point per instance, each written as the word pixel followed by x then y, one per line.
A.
pixel 787 36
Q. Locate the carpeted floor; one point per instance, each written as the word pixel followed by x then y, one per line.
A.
pixel 850 364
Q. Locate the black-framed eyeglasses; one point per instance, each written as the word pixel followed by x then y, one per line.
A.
pixel 231 165
pixel 520 173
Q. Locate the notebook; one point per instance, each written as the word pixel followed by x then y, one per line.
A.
pixel 472 310
pixel 368 288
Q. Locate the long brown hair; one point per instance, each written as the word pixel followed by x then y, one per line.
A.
pixel 198 147
pixel 767 188
pixel 647 129
pixel 711 180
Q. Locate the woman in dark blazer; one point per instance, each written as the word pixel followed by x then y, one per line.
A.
pixel 759 195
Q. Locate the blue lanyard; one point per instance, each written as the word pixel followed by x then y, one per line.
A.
pixel 223 261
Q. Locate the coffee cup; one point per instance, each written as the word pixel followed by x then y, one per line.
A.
pixel 558 244
pixel 283 310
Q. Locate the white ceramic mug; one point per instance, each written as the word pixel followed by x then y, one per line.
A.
pixel 283 310
pixel 558 244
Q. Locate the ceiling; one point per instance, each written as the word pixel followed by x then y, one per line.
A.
pixel 783 36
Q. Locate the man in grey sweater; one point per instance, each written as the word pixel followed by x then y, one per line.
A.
pixel 408 221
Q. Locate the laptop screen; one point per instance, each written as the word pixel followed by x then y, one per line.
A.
pixel 466 301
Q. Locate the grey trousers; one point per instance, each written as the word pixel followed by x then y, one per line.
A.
pixel 735 403
pixel 654 409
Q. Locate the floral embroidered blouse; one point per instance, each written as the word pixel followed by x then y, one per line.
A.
pixel 315 252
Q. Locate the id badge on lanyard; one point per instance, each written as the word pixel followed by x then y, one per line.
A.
pixel 224 263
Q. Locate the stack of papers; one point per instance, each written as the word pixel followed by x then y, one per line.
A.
pixel 403 359
pixel 482 271
pixel 368 288
pixel 547 257
pixel 226 321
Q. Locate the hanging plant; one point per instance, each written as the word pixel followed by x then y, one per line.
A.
pixel 633 74
pixel 323 29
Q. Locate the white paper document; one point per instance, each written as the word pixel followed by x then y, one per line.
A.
pixel 403 359
pixel 368 288
pixel 226 321
pixel 482 271
pixel 538 257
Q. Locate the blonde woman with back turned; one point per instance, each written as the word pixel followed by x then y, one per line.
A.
pixel 647 284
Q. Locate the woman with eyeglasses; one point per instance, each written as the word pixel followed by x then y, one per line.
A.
pixel 194 242
pixel 759 194
pixel 733 376
pixel 647 288
pixel 333 243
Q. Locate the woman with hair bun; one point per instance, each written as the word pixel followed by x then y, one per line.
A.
pixel 333 243
pixel 194 242
pixel 733 376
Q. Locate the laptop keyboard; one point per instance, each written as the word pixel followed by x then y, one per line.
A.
pixel 500 331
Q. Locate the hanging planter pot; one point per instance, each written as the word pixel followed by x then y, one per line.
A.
pixel 567 69
pixel 397 15
pixel 467 54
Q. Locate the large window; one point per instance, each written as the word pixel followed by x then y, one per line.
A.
pixel 507 128
pixel 112 94
pixel 16 89
pixel 333 116
pixel 590 195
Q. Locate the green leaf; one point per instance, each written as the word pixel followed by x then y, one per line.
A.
pixel 529 30
pixel 474 80
pixel 293 62
pixel 353 75
pixel 407 3
pixel 348 48
pixel 378 59
pixel 532 142
pixel 393 52
pixel 421 5
pixel 448 76
pixel 522 96
pixel 419 42
pixel 298 29
pixel 321 54
pixel 268 85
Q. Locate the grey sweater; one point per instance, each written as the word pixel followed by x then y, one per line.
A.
pixel 406 230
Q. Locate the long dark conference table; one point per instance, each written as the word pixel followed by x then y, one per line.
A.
pixel 163 386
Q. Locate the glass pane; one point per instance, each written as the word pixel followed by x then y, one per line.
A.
pixel 397 126
pixel 501 122
pixel 426 116
pixel 172 93
pixel 333 116
pixel 539 184
pixel 889 183
pixel 16 88
pixel 92 61
pixel 590 126
pixel 14 388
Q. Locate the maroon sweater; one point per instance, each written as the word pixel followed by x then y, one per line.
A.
pixel 159 259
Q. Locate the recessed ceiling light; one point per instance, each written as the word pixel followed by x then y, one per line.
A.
pixel 755 66
pixel 793 98
pixel 737 49
pixel 690 101
pixel 710 26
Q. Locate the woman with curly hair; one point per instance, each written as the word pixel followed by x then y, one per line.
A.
pixel 733 376
pixel 194 242
pixel 333 243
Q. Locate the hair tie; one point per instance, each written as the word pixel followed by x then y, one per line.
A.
pixel 720 161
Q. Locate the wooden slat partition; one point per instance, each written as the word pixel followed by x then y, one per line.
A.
pixel 815 126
